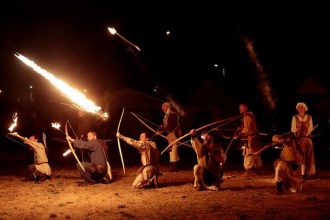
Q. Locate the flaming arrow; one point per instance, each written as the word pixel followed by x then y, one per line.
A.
pixel 74 95
pixel 114 32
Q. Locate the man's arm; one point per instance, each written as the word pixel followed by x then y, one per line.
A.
pixel 134 143
pixel 293 125
pixel 84 145
pixel 24 139
pixel 196 144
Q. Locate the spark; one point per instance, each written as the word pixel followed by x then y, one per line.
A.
pixel 74 95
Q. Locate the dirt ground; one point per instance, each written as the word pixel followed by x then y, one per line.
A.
pixel 239 198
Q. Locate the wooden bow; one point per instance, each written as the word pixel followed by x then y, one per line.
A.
pixel 265 147
pixel 199 129
pixel 118 141
pixel 71 148
pixel 153 130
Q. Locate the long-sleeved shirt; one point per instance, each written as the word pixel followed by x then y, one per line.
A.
pixel 170 121
pixel 98 152
pixel 208 155
pixel 148 149
pixel 40 155
pixel 302 126
pixel 249 125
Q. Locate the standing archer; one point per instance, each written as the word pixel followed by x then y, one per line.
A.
pixel 249 132
pixel 171 127
pixel 302 127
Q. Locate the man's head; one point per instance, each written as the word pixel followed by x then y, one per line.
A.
pixel 206 136
pixel 91 136
pixel 243 107
pixel 144 137
pixel 301 108
pixel 33 138
pixel 165 106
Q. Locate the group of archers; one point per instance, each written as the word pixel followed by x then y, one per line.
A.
pixel 295 165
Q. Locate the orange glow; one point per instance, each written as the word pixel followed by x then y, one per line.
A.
pixel 74 95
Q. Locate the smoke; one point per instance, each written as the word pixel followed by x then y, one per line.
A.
pixel 263 83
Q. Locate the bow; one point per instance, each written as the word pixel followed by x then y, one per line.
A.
pixel 71 148
pixel 153 130
pixel 118 140
pixel 231 140
pixel 201 128
pixel 265 147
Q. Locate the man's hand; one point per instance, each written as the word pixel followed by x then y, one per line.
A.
pixel 70 139
pixel 193 132
pixel 118 135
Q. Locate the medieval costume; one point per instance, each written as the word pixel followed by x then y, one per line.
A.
pixel 208 172
pixel 171 128
pixel 40 169
pixel 302 126
pixel 250 136
pixel 148 172
pixel 288 167
pixel 96 169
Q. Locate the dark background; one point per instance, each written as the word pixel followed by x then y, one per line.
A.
pixel 70 39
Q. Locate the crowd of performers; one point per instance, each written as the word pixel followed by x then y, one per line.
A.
pixel 296 162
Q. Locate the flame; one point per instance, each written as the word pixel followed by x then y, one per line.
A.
pixel 66 153
pixel 112 30
pixel 74 95
pixel 14 124
pixel 56 125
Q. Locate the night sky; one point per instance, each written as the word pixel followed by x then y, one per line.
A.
pixel 71 40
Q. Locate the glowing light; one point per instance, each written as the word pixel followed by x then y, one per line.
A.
pixel 168 33
pixel 31 87
pixel 215 65
pixel 74 95
pixel 56 125
pixel 66 153
pixel 112 30
pixel 14 124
